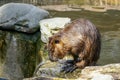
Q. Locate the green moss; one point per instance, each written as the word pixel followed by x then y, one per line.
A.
pixel 27 49
pixel 2 46
pixel 27 57
pixel 43 51
pixel 38 55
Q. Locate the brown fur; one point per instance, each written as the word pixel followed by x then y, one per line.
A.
pixel 81 39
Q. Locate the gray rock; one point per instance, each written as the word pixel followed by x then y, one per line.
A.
pixel 3 79
pixel 102 77
pixel 52 70
pixel 21 17
pixel 18 54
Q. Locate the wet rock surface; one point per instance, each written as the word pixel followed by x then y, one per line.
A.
pixel 3 79
pixel 54 69
pixel 51 71
pixel 18 53
pixel 21 17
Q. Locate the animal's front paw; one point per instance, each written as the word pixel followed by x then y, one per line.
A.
pixel 68 68
pixel 66 62
pixel 69 62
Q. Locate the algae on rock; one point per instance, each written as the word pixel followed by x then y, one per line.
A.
pixel 18 54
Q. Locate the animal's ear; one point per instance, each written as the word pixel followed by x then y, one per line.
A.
pixel 57 41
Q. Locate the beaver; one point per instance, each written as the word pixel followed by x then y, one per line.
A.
pixel 81 39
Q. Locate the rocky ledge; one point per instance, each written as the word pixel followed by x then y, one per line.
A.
pixel 18 54
pixel 106 72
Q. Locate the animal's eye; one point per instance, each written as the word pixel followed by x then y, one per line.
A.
pixel 57 41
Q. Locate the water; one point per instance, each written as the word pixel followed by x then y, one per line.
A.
pixel 109 25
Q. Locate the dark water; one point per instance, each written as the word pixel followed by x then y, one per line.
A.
pixel 109 25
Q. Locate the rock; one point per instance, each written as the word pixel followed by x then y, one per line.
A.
pixel 112 70
pixel 37 78
pixel 60 8
pixel 51 26
pixel 3 79
pixel 21 17
pixel 51 70
pixel 44 78
pixel 18 54
pixel 102 77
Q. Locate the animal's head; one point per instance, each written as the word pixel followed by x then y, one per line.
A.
pixel 55 48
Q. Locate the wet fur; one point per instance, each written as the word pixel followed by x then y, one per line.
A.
pixel 81 39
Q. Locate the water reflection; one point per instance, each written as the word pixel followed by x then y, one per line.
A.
pixel 110 52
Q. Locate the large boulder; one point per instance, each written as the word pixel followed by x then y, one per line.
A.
pixel 21 17
pixel 19 54
pixel 50 26
pixel 51 71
